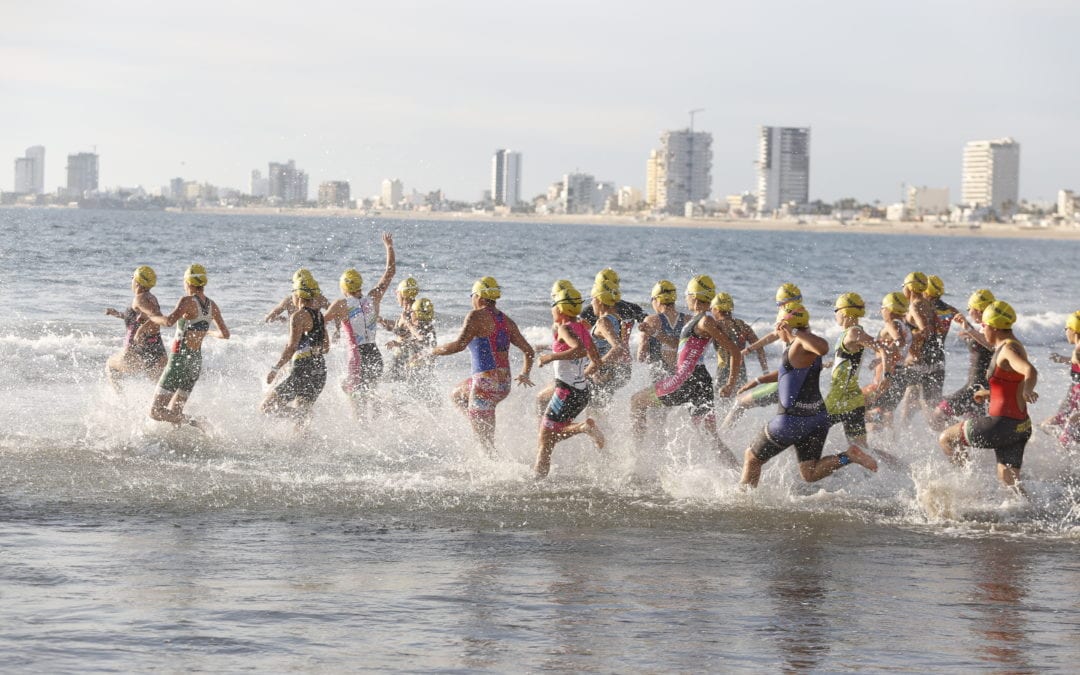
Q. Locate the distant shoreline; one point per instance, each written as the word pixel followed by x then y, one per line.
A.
pixel 996 230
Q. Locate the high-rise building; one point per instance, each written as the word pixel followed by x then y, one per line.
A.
pixel 177 189
pixel 37 153
pixel 82 174
pixel 783 167
pixel 577 193
pixel 334 193
pixel 682 169
pixel 652 175
pixel 506 178
pixel 24 175
pixel 926 201
pixel 260 187
pixel 992 175
pixel 287 183
pixel 391 194
pixel 1066 203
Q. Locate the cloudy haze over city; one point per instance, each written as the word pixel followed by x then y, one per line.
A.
pixel 427 91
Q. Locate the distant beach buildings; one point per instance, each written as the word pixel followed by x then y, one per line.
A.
pixel 506 178
pixel 82 174
pixel 991 176
pixel 286 184
pixel 783 168
pixel 30 172
pixel 679 171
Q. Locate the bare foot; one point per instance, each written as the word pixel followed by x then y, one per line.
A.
pixel 594 433
pixel 861 458
pixel 891 460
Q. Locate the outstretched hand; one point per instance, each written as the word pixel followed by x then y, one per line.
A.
pixel 524 380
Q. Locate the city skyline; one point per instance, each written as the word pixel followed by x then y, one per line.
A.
pixel 419 103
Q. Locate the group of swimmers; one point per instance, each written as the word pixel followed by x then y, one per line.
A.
pixel 591 358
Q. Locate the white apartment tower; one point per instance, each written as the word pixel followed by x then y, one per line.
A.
pixel 992 175
pixel 391 194
pixel 82 174
pixel 506 178
pixel 681 170
pixel 783 167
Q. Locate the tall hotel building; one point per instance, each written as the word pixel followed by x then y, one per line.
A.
pixel 82 174
pixel 783 167
pixel 30 171
pixel 506 178
pixel 992 175
pixel 680 171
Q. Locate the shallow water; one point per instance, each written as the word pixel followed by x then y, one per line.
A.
pixel 397 544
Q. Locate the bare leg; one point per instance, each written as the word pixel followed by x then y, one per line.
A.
pixel 543 397
pixel 169 407
pixel 639 405
pixel 483 426
pixel 722 450
pixel 888 458
pixel 751 472
pixel 952 444
pixel 1010 478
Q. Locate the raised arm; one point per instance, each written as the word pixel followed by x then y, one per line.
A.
pixel 391 268
pixel 279 309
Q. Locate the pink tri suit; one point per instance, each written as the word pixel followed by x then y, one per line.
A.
pixel 691 382
pixel 1070 433
pixel 571 393
pixel 490 381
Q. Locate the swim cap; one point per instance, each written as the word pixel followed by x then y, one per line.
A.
pixel 608 276
pixel 559 285
pixel 606 293
pixel 1073 322
pixel 423 309
pixel 305 288
pixel 850 304
pixel 568 301
pixel 723 302
pixel 917 281
pixel 145 276
pixel 701 287
pixel 302 274
pixel 788 293
pixel 408 287
pixel 897 303
pixel 999 314
pixel 980 299
pixel 935 287
pixel 665 292
pixel 793 315
pixel 195 275
pixel 351 281
pixel 487 288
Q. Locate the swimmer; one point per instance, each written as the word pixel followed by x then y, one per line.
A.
pixel 487 333
pixel 1067 419
pixel 961 403
pixel 143 351
pixel 192 317
pixel 406 293
pixel 1012 380
pixel 609 334
pixel 419 372
pixel 942 315
pixel 890 374
pixel 628 312
pixel 287 307
pixel 307 344
pixel 359 314
pixel 691 382
pixel 802 419
pixel 740 333
pixel 660 331
pixel 920 359
pixel 573 354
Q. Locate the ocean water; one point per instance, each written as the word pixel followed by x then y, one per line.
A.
pixel 397 544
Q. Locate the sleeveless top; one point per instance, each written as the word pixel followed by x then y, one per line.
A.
pixel 656 349
pixel 362 321
pixel 311 340
pixel 845 394
pixel 934 348
pixel 723 358
pixel 490 353
pixel 979 359
pixel 1004 386
pixel 800 395
pixel 200 324
pixel 602 345
pixel 572 371
pixel 691 355
pixel 133 320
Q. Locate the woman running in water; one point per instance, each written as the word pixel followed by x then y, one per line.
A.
pixel 359 314
pixel 143 351
pixel 307 344
pixel 607 332
pixel 691 382
pixel 284 309
pixel 740 333
pixel 890 373
pixel 406 294
pixel 660 331
pixel 574 356
pixel 961 403
pixel 1012 387
pixel 802 419
pixel 487 333
pixel 942 315
pixel 1067 419
pixel 192 317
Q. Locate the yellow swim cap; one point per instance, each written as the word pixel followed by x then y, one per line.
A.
pixel 301 274
pixel 980 299
pixel 917 282
pixel 305 288
pixel 487 288
pixel 935 287
pixel 559 285
pixel 608 276
pixel 351 281
pixel 788 293
pixel 568 301
pixel 665 292
pixel 793 315
pixel 1073 322
pixel 408 287
pixel 999 314
pixel 897 303
pixel 606 293
pixel 145 276
pixel 850 304
pixel 701 287
pixel 723 302
pixel 423 309
pixel 195 275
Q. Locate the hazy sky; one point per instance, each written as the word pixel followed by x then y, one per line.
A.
pixel 425 91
